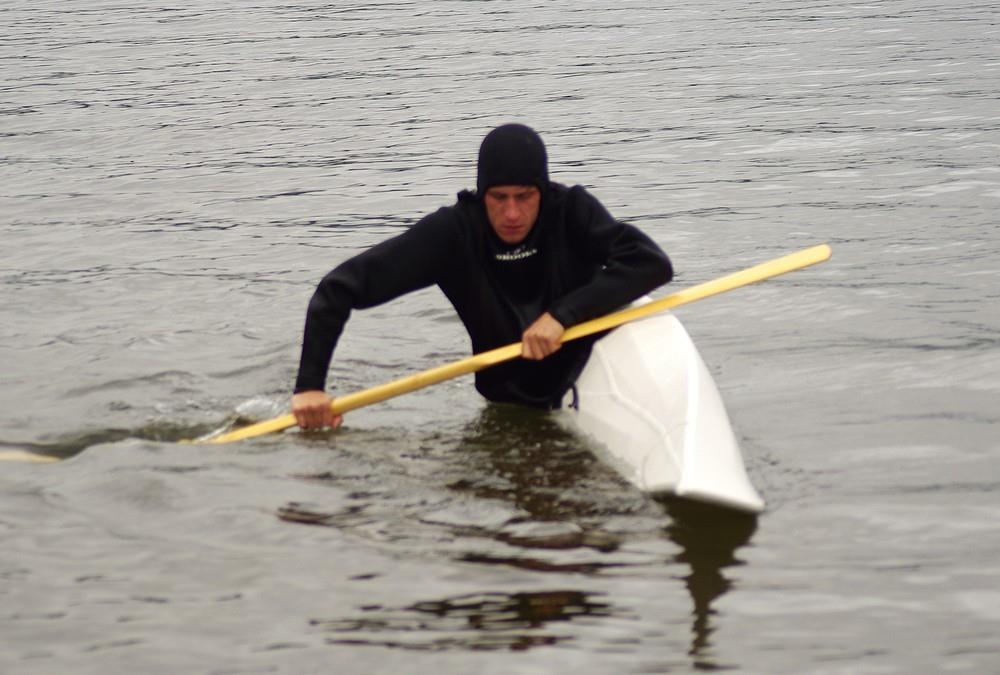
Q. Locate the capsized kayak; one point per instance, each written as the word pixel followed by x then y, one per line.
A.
pixel 648 401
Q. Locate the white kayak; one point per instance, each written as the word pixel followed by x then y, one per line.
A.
pixel 647 399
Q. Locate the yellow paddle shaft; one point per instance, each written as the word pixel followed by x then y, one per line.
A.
pixel 403 385
pixel 25 456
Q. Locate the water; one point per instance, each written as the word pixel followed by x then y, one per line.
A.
pixel 174 181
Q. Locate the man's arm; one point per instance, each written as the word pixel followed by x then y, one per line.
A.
pixel 407 262
pixel 631 264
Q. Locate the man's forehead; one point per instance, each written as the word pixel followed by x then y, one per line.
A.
pixel 503 190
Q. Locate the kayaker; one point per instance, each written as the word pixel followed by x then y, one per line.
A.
pixel 520 258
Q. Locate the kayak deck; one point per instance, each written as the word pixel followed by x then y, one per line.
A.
pixel 648 400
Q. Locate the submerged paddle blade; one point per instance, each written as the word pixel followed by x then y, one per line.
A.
pixel 25 456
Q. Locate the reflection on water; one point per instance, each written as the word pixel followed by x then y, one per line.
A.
pixel 709 537
pixel 546 471
pixel 482 621
pixel 565 499
pixel 525 456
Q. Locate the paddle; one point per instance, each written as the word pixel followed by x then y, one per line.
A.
pixel 403 385
pixel 25 456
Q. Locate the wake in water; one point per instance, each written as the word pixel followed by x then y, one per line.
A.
pixel 71 444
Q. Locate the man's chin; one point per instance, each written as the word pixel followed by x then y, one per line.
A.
pixel 512 236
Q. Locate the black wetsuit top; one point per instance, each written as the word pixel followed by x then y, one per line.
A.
pixel 577 263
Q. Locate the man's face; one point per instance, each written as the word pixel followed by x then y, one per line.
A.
pixel 512 210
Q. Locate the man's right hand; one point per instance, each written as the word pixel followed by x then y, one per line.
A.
pixel 542 338
pixel 312 410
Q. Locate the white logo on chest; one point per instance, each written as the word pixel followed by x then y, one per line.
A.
pixel 519 253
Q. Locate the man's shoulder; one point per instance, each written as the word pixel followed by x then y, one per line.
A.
pixel 444 217
pixel 575 204
pixel 451 222
pixel 570 194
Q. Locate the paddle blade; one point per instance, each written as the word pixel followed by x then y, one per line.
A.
pixel 25 456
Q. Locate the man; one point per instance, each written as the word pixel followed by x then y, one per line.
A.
pixel 520 259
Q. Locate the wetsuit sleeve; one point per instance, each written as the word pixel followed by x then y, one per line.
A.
pixel 630 264
pixel 407 262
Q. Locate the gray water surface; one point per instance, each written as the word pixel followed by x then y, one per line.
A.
pixel 174 181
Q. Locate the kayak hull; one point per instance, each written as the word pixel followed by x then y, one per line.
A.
pixel 650 404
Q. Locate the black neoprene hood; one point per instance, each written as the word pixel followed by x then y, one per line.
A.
pixel 512 154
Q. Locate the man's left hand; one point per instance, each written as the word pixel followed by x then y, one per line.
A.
pixel 541 338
